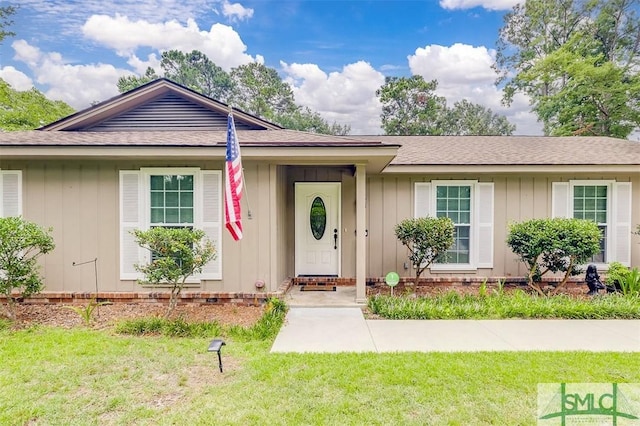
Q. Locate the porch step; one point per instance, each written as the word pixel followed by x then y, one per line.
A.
pixel 317 287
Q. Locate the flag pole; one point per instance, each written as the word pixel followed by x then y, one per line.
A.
pixel 246 189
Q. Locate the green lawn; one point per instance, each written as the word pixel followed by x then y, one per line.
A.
pixel 83 376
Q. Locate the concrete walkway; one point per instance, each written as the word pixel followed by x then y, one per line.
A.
pixel 346 330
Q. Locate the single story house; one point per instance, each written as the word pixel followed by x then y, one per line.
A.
pixel 314 205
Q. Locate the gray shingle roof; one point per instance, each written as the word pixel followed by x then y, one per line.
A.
pixel 512 150
pixel 414 150
pixel 176 138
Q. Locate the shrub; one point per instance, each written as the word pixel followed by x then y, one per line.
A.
pixel 177 253
pixel 616 273
pixel 177 327
pixel 21 243
pixel 427 239
pixel 553 245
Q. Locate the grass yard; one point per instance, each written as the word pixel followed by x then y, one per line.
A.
pixel 52 376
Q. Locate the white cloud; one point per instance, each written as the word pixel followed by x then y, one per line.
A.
pixel 464 72
pixel 222 44
pixel 347 97
pixel 140 66
pixel 26 53
pixel 17 79
pixel 236 12
pixel 487 4
pixel 77 85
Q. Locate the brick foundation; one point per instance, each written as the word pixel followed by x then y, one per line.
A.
pixel 156 297
pixel 259 298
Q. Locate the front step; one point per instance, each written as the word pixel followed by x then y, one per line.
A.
pixel 317 287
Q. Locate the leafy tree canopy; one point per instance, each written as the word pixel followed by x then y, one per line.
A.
pixel 5 21
pixel 29 109
pixel 577 60
pixel 411 107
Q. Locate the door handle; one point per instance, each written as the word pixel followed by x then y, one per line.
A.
pixel 335 238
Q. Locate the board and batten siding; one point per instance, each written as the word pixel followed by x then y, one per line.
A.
pixel 390 199
pixel 79 200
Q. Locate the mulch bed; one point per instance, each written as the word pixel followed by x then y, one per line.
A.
pixel 106 316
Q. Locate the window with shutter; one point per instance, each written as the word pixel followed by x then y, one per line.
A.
pixel 606 202
pixel 169 197
pixel 470 205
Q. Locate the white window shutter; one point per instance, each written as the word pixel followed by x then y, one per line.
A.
pixel 211 194
pixel 10 193
pixel 422 202
pixel 484 215
pixel 131 202
pixel 621 215
pixel 560 200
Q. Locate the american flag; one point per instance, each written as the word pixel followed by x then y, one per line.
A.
pixel 233 183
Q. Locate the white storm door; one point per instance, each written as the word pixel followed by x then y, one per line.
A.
pixel 317 228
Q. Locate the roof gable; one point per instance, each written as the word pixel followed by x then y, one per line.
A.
pixel 158 105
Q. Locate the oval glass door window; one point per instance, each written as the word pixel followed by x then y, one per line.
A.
pixel 318 218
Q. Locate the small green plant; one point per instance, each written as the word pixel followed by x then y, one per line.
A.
pixel 177 254
pixel 482 290
pixel 630 285
pixel 86 312
pixel 267 326
pixel 499 290
pixel 616 273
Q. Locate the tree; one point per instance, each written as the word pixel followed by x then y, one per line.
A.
pixel 197 72
pixel 21 243
pixel 427 239
pixel 304 119
pixel 29 109
pixel 467 118
pixel 598 98
pixel 411 107
pixel 540 41
pixel 130 82
pixel 556 245
pixel 259 90
pixel 177 254
pixel 5 21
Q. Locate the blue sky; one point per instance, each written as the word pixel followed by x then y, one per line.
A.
pixel 335 54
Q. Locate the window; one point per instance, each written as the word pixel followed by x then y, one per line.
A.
pixel 470 205
pixel 169 197
pixel 606 202
pixel 590 202
pixel 454 202
pixel 171 200
pixel 10 193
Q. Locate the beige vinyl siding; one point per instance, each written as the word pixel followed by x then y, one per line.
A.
pixel 80 201
pixel 516 198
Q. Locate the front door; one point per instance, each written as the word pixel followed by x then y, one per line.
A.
pixel 317 228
